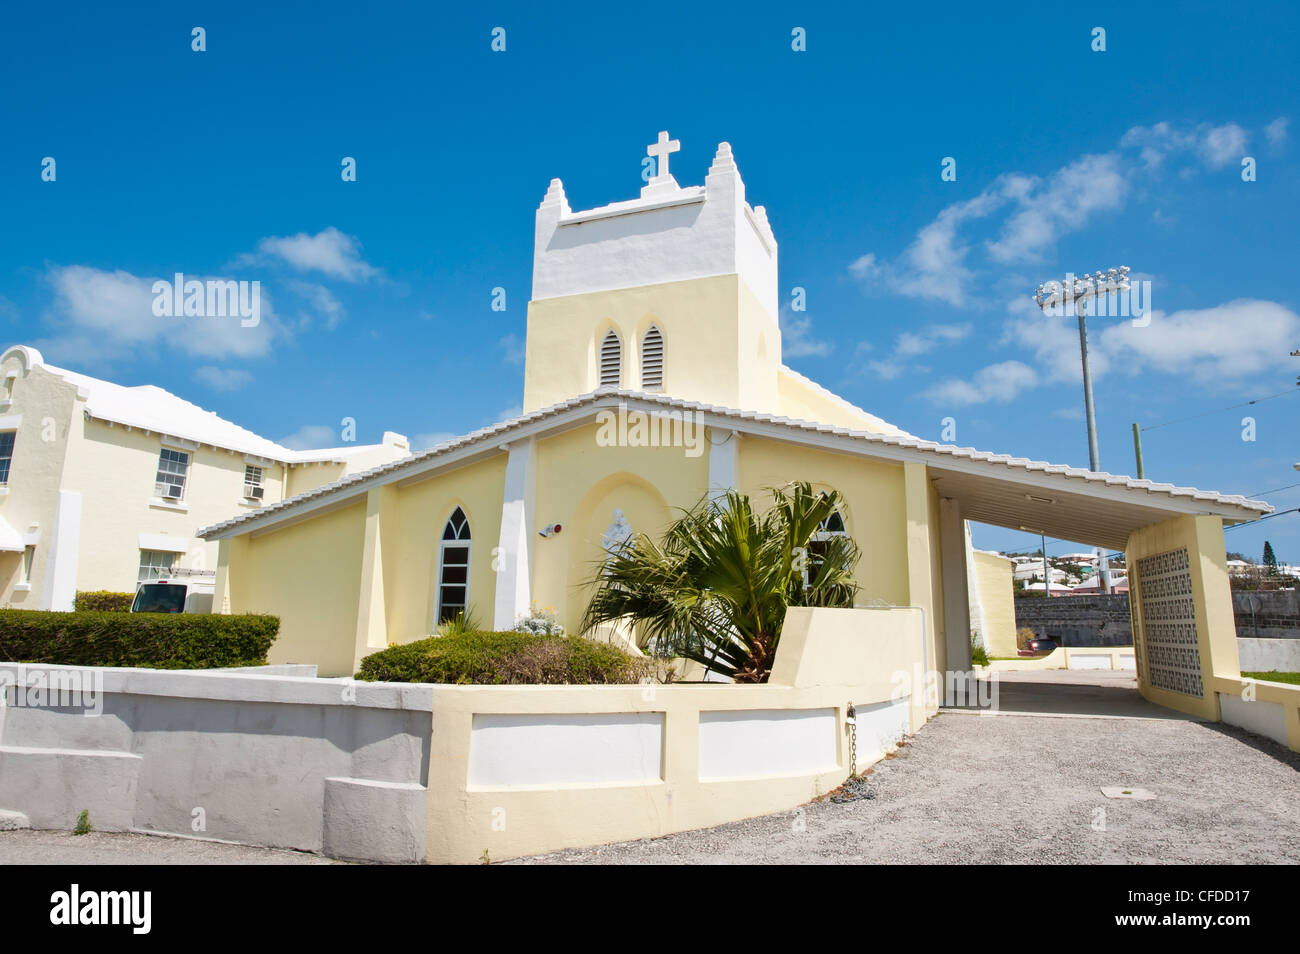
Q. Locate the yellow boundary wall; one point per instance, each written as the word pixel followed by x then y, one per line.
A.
pixel 484 795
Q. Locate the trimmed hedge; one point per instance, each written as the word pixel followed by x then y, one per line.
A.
pixel 105 601
pixel 504 659
pixel 149 640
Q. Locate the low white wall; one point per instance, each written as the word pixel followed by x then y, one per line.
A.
pixel 576 749
pixel 284 761
pixel 1263 718
pixel 751 744
pixel 1268 655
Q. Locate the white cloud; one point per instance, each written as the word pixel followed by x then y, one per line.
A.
pixel 224 379
pixel 1216 146
pixel 912 343
pixel 998 382
pixel 428 441
pixel 1226 343
pixel 797 340
pixel 1276 131
pixel 1030 213
pixel 99 315
pixel 1061 204
pixel 1223 145
pixel 329 252
pixel 311 437
pixel 322 300
pixel 512 348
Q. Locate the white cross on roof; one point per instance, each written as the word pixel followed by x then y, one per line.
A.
pixel 661 150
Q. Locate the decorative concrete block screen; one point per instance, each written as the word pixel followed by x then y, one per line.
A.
pixel 1169 645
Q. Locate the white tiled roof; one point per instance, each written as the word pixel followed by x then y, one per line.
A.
pixel 151 408
pixel 609 396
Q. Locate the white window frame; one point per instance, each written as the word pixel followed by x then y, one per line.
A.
pixel 160 487
pixel 258 484
pixel 9 459
pixel 29 562
pixel 147 570
pixel 468 544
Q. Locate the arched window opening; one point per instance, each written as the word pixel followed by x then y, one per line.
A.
pixel 453 568
pixel 652 359
pixel 830 527
pixel 611 360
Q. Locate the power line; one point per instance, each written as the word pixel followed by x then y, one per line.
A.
pixel 1152 427
pixel 1265 493
pixel 1252 523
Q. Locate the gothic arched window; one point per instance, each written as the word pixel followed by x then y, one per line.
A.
pixel 652 359
pixel 611 360
pixel 453 568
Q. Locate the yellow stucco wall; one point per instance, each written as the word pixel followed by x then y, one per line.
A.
pixel 711 330
pixel 1216 629
pixel 875 505
pixel 411 553
pixel 579 485
pixel 309 575
pixel 997 603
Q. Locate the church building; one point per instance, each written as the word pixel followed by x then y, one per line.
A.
pixel 654 378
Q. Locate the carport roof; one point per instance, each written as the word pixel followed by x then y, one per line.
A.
pixel 1068 503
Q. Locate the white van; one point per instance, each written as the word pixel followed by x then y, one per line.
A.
pixel 176 591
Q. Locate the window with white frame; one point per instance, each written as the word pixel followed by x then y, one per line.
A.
pixel 173 468
pixel 154 564
pixel 832 526
pixel 611 360
pixel 652 359
pixel 253 486
pixel 29 558
pixel 453 568
pixel 6 455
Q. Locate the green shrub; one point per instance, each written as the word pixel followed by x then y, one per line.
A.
pixel 504 659
pixel 150 640
pixel 979 656
pixel 105 601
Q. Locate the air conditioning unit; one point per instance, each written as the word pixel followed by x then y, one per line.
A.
pixel 253 492
pixel 173 492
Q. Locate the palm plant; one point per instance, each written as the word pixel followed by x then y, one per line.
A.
pixel 716 588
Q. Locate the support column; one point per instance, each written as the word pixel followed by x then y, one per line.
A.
pixel 512 560
pixel 372 610
pixel 59 591
pixel 956 597
pixel 920 585
pixel 232 560
pixel 724 462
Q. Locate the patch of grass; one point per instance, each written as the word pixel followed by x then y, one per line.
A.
pixel 1289 677
pixel 83 823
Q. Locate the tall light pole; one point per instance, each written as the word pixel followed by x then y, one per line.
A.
pixel 1081 290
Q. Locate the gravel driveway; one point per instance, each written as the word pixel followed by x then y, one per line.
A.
pixel 1027 789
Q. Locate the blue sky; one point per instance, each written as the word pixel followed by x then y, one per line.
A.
pixel 226 163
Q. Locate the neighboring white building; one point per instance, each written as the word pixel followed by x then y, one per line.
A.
pixel 102 486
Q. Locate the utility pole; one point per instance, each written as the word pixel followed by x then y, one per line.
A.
pixel 1137 449
pixel 1080 290
pixel 1047 571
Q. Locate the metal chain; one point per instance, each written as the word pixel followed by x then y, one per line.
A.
pixel 855 786
pixel 852 718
